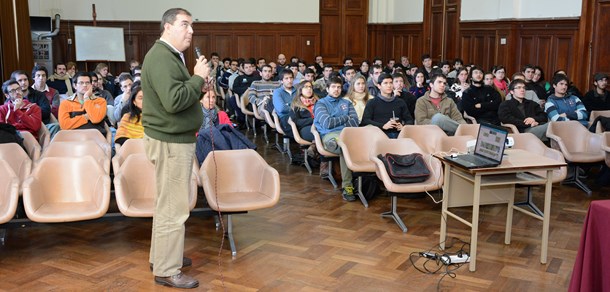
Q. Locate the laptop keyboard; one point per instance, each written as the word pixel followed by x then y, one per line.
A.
pixel 474 159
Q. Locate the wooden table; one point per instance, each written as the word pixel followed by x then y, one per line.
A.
pixel 496 185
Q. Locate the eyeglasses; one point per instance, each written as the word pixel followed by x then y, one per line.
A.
pixel 14 91
pixel 83 83
pixel 519 87
pixel 307 86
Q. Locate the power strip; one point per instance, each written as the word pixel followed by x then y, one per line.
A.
pixel 455 259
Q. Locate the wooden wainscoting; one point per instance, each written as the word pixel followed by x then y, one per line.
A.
pixel 396 40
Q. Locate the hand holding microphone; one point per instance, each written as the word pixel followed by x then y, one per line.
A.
pixel 201 68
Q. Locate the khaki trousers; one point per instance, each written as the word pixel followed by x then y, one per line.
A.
pixel 173 165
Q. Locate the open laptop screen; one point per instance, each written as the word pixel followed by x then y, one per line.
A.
pixel 490 142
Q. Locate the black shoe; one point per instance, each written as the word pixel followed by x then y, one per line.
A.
pixel 186 262
pixel 178 281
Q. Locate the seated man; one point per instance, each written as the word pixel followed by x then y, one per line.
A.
pixel 387 111
pixel 282 99
pixel 331 114
pixel 60 81
pixel 529 94
pixel 121 100
pixel 261 91
pixel 33 96
pixel 563 107
pixel 436 108
pixel 17 111
pixel 598 99
pixel 39 74
pixel 525 114
pixel 83 110
pixel 481 101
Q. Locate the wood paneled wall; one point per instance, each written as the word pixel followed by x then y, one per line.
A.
pixel 232 40
pixel 548 43
pixel 15 39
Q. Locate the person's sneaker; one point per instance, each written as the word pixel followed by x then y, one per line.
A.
pixel 348 194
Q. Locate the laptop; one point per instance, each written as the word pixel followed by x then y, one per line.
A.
pixel 488 150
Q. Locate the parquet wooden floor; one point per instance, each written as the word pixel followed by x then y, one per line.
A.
pixel 311 241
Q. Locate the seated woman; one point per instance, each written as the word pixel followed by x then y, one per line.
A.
pixel 420 87
pixel 358 94
pixel 301 110
pixel 212 115
pixel 130 126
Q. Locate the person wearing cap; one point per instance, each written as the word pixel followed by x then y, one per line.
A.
pixel 598 99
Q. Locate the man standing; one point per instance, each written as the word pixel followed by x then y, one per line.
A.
pixel 525 114
pixel 436 108
pixel 481 101
pixel 171 116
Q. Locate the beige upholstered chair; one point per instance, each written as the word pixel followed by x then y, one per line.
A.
pixel 513 129
pixel 470 119
pixel 405 146
pixel 83 135
pixel 285 139
pixel 606 147
pixel 356 144
pixel 258 187
pixel 271 123
pixel 427 137
pixel 17 160
pixel 78 149
pixel 238 100
pixel 261 119
pixel 131 146
pixel 244 109
pixel 135 186
pixel 578 146
pixel 31 145
pixel 65 189
pixel 467 130
pixel 454 144
pixel 44 136
pixel 325 155
pixel 9 196
pixel 304 144
pixel 594 115
pixel 531 143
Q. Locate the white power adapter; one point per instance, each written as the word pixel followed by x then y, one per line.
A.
pixel 455 259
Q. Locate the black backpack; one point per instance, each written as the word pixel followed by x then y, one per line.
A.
pixel 9 134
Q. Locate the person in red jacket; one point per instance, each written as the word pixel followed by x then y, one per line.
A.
pixel 20 113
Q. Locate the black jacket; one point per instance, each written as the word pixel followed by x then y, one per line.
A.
pixel 509 113
pixel 489 99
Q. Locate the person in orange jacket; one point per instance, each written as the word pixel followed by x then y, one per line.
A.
pixel 82 110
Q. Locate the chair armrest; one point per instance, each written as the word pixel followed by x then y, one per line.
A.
pixel 270 183
pixel 32 195
pixel 101 191
pixel 594 144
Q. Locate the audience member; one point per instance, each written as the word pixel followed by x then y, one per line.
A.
pixel 419 87
pixel 525 114
pixel 82 110
pixel 212 115
pixel 481 101
pixel 32 95
pixel 358 95
pixel 261 91
pixel 457 65
pixel 364 69
pixel 282 99
pixel 122 100
pixel 371 84
pixel 61 81
pixel 529 94
pixel 348 75
pixel 539 78
pixel 302 109
pixel 500 80
pixel 528 73
pixel 331 114
pixel 130 126
pixel 71 69
pixel 598 99
pixel 107 78
pixel 322 83
pixel 563 107
pixel 39 74
pixel 386 111
pixel 437 109
pixel 17 111
pixel 401 91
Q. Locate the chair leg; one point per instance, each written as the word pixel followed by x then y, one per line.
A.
pixel 530 203
pixel 216 222
pixel 360 194
pixel 253 125
pixel 2 236
pixel 394 215
pixel 576 181
pixel 265 133
pixel 306 161
pixel 286 142
pixel 330 174
pixel 277 143
pixel 230 235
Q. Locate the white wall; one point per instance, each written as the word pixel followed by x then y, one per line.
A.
pixel 396 11
pixel 519 9
pixel 295 11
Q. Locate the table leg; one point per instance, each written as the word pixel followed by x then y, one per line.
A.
pixel 445 205
pixel 509 219
pixel 475 223
pixel 547 216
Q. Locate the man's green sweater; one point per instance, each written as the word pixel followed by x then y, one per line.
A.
pixel 171 111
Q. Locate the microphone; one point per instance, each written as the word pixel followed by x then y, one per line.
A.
pixel 198 52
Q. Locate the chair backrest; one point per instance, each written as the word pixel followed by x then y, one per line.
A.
pixel 244 103
pixel 606 147
pixel 239 171
pixel 83 135
pixel 319 145
pixel 44 136
pixel 131 146
pixel 452 144
pixel 467 130
pixel 470 118
pixel 139 174
pixel 31 145
pixel 595 114
pixel 572 136
pixel 356 144
pixel 17 159
pixel 427 137
pixel 9 184
pixel 513 129
pixel 78 149
pixel 531 143
pixel 296 134
pixel 269 119
pixel 278 125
